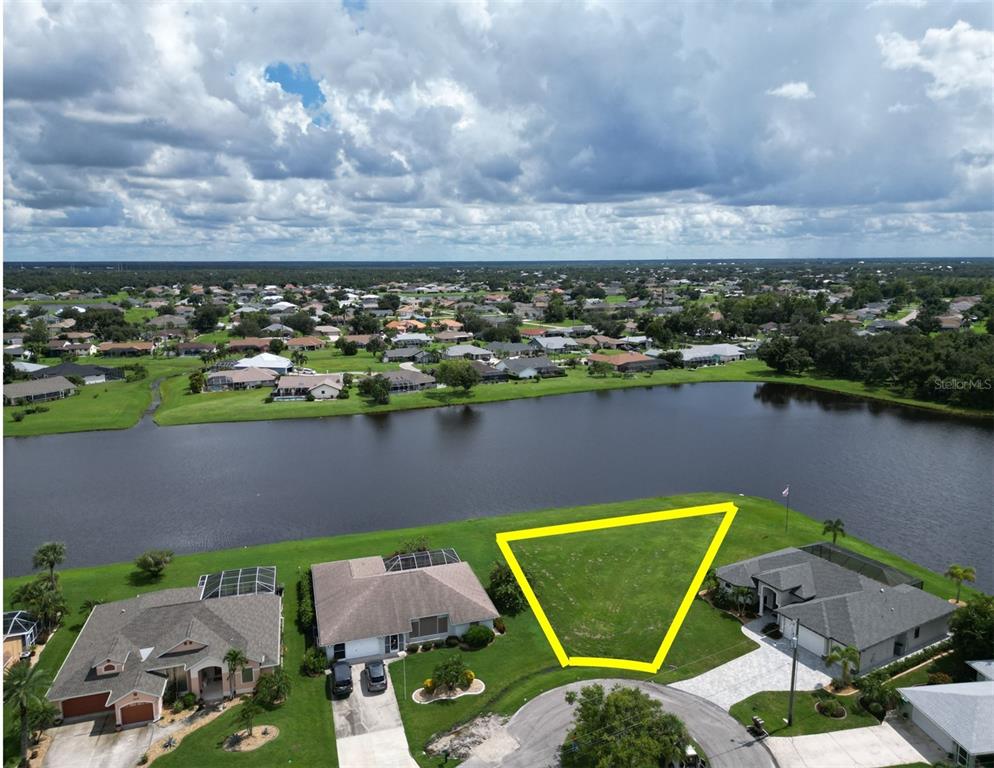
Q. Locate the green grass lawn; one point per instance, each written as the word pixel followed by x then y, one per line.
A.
pixel 139 314
pixel 114 405
pixel 596 613
pixel 771 706
pixel 515 668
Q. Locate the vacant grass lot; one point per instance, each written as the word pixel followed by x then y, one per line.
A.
pixel 115 405
pixel 515 668
pixel 771 706
pixel 616 592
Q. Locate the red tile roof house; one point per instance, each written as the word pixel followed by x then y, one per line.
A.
pixel 305 342
pixel 129 651
pixel 373 607
pixel 628 362
pixel 125 348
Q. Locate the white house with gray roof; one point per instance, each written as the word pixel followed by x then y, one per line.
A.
pixel 373 607
pixel 129 651
pixel 828 604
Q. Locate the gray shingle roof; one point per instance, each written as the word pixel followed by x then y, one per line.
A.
pixel 37 387
pixel 357 599
pixel 146 628
pixel 964 711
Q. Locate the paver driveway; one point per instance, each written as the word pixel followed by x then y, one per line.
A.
pixel 765 669
pixel 368 729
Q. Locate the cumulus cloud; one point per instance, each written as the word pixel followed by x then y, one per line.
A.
pixel 491 130
pixel 796 90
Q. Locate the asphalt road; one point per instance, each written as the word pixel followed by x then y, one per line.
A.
pixel 536 730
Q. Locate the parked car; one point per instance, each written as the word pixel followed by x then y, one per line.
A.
pixel 341 679
pixel 376 676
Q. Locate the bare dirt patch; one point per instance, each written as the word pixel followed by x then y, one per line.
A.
pixel 461 741
pixel 241 741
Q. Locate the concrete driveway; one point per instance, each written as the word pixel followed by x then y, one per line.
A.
pixel 765 669
pixel 368 730
pixel 893 742
pixel 532 736
pixel 95 744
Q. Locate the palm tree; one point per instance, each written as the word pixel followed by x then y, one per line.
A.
pixel 49 555
pixel 835 527
pixel 235 658
pixel 743 597
pixel 49 605
pixel 250 710
pixel 24 689
pixel 299 357
pixel 88 605
pixel 959 574
pixel 847 657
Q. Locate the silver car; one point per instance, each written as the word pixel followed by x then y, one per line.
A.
pixel 376 676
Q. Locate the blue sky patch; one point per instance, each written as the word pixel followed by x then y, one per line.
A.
pixel 296 79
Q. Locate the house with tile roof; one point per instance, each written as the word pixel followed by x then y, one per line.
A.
pixel 373 607
pixel 130 651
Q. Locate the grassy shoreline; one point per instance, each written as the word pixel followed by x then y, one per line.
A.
pixel 516 667
pixel 123 403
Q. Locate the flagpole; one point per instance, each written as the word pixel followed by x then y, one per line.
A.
pixel 786 517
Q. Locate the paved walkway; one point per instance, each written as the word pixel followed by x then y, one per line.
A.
pixel 893 742
pixel 532 736
pixel 368 729
pixel 765 669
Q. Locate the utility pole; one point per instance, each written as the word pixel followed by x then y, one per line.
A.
pixel 793 676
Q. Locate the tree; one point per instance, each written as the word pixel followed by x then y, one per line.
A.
pixel 42 599
pixel 743 598
pixel 276 346
pixel 299 357
pixel 205 318
pixel 784 355
pixel 300 322
pixel 49 555
pixel 599 368
pixel 457 373
pixel 272 688
pixel 37 332
pixel 153 562
pixel 42 716
pixel 348 348
pixel 375 346
pixel 959 574
pixel 505 591
pixel 973 630
pixel 235 658
pixel 847 658
pixel 623 728
pixel 197 382
pixel 835 527
pixel 376 388
pixel 449 673
pixel 88 605
pixel 247 715
pixel 24 688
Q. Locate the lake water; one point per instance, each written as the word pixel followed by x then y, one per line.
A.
pixel 914 482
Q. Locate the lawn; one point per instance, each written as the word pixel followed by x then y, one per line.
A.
pixel 515 668
pixel 114 405
pixel 771 706
pixel 594 612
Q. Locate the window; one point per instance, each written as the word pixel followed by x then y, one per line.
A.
pixel 429 625
pixel 338 652
pixel 918 631
pixel 248 674
pixel 109 668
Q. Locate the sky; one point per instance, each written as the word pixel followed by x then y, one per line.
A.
pixel 478 130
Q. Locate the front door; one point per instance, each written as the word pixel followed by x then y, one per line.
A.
pixel 391 643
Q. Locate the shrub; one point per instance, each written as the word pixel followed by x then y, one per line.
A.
pixel 17 416
pixel 452 641
pixel 425 647
pixel 450 672
pixel 499 625
pixel 505 591
pixel 831 708
pixel 314 662
pixel 305 602
pixel 177 706
pixel 903 665
pixel 153 562
pixel 169 695
pixel 189 700
pixel 468 676
pixel 429 685
pixel 939 678
pixel 478 636
pixel 272 688
pixel 413 648
pixel 438 644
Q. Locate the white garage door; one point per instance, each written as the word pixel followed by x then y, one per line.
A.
pixel 811 641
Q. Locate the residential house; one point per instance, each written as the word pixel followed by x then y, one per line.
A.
pixel 408 381
pixel 90 374
pixel 468 352
pixel 20 632
pixel 249 344
pixel 195 348
pixel 555 344
pixel 512 349
pixel 361 340
pixel 831 597
pixel 950 322
pixel 530 367
pixel 411 339
pixel 305 342
pixel 331 332
pixel 53 388
pixel 278 329
pixel 373 607
pixel 66 348
pixel 130 651
pixel 489 374
pixel 266 360
pixel 125 348
pixel 453 337
pixel 168 321
pixel 448 324
pixel 956 716
pixel 321 386
pixel 239 378
pixel 406 355
pixel 711 354
pixel 628 362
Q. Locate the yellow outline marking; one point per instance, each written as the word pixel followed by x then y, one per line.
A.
pixel 504 539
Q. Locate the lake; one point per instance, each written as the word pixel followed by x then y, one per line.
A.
pixel 917 483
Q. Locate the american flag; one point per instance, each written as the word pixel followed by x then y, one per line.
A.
pixel 786 491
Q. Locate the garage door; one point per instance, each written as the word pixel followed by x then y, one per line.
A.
pixel 811 641
pixel 93 704
pixel 136 713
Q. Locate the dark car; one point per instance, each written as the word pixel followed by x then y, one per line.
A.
pixel 341 679
pixel 376 676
